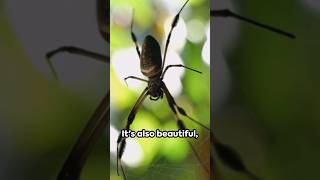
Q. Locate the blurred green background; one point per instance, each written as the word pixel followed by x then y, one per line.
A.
pixel 40 117
pixel 147 158
pixel 271 112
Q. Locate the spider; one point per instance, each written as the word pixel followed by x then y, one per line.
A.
pixel 74 163
pixel 153 67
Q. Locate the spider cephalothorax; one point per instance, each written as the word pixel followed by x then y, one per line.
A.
pixel 155 88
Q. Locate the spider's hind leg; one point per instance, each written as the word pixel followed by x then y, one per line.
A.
pixel 174 105
pixel 121 142
pixel 181 124
pixel 121 145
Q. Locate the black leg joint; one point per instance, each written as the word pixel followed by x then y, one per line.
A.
pixel 130 120
pixel 182 111
pixel 181 125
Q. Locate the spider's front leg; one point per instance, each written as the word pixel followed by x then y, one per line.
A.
pixel 121 142
pixel 136 78
pixel 77 51
pixel 133 36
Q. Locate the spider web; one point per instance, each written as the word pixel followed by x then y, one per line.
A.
pixel 161 168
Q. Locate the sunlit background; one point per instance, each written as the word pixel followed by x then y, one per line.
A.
pixel 190 45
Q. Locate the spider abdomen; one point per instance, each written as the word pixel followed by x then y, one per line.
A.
pixel 150 60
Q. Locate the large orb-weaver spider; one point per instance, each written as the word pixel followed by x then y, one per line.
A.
pixel 153 67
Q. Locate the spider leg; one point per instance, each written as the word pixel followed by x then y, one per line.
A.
pixel 173 25
pixel 227 154
pixel 74 50
pixel 89 136
pixel 180 123
pixel 103 17
pixel 180 109
pixel 124 174
pixel 78 51
pixel 231 158
pixel 136 78
pixel 133 36
pixel 228 13
pixel 178 65
pixel 121 142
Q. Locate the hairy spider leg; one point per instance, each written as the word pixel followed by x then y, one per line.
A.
pixel 173 25
pixel 181 125
pixel 121 142
pixel 134 39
